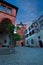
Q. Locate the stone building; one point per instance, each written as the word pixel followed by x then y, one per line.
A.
pixel 34 32
pixel 21 32
pixel 8 14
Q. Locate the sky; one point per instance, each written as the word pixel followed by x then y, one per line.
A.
pixel 29 10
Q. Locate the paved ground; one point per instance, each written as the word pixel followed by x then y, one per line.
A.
pixel 23 56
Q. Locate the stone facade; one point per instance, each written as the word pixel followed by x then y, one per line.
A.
pixel 8 13
pixel 21 32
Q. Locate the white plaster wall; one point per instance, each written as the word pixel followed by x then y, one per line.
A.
pixel 35 38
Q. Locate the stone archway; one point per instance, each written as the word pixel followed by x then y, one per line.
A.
pixel 22 43
pixel 4 37
pixel 4 24
pixel 6 20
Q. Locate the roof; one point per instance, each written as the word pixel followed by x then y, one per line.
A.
pixel 22 24
pixel 2 1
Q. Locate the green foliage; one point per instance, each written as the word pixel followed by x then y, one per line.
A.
pixel 17 37
pixel 18 27
pixel 10 28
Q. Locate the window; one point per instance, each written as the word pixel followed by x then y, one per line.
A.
pixel 9 10
pixel 32 41
pixel 2 7
pixel 27 41
pixel 41 22
pixel 25 32
pixel 26 36
pixel 37 30
pixel 33 32
pixel 29 28
pixel 5 41
pixel 41 26
pixel 30 33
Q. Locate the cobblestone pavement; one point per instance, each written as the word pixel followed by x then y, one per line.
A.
pixel 23 56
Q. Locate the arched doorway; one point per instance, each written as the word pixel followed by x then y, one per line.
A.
pixel 40 41
pixel 4 37
pixel 4 24
pixel 22 43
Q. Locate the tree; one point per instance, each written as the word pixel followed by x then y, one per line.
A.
pixel 10 28
pixel 16 37
pixel 18 27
